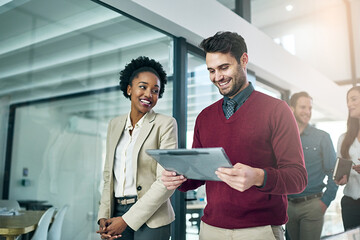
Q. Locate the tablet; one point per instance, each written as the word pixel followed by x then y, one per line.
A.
pixel 342 167
pixel 196 163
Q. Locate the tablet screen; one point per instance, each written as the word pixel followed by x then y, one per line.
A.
pixel 196 163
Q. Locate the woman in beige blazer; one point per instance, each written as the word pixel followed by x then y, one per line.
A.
pixel 134 203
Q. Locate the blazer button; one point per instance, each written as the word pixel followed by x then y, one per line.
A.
pixel 139 188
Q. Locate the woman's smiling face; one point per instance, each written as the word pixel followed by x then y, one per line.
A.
pixel 144 92
pixel 353 103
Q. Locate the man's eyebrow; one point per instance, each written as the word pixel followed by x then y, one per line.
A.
pixel 224 64
pixel 220 66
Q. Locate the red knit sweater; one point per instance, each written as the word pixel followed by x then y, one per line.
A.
pixel 262 133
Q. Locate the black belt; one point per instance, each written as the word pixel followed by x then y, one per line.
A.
pixel 126 200
pixel 305 198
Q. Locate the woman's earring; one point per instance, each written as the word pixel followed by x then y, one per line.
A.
pixel 128 93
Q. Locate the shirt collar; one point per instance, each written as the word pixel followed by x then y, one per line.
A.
pixel 307 130
pixel 242 96
pixel 128 125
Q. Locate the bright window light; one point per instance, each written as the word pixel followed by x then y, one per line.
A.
pixel 287 42
pixel 289 7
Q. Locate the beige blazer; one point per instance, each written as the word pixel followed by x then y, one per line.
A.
pixel 153 206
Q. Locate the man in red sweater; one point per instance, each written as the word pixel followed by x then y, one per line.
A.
pixel 261 138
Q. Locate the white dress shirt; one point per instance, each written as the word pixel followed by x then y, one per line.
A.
pixel 352 188
pixel 125 181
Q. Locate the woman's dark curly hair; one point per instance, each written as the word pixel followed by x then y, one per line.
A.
pixel 138 65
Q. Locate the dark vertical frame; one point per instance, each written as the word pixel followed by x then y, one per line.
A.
pixel 178 230
pixel 243 9
pixel 180 88
pixel 9 143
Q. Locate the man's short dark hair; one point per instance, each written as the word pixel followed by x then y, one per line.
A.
pixel 225 42
pixel 294 98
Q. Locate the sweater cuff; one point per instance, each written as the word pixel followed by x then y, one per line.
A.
pixel 265 178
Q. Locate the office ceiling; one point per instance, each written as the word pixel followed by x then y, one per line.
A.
pixel 323 33
pixel 56 48
pixel 50 48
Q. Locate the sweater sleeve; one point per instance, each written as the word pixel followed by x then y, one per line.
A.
pixel 289 176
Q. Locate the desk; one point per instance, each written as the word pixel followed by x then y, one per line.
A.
pixel 197 208
pixel 13 226
pixel 34 204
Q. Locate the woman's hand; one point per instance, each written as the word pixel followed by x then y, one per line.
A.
pixel 114 227
pixel 342 181
pixel 111 228
pixel 102 229
pixel 356 168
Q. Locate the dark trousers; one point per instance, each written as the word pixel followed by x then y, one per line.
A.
pixel 350 210
pixel 144 232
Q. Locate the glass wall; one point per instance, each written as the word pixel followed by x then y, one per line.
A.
pixel 201 93
pixel 59 72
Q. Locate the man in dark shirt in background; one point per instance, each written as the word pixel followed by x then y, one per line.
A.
pixel 260 137
pixel 306 210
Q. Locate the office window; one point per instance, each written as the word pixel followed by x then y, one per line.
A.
pixel 59 71
pixel 261 87
pixel 201 92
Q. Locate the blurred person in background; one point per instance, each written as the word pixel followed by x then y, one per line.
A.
pixel 306 210
pixel 349 148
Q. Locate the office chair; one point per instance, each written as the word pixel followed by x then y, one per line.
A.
pixel 41 232
pixel 10 204
pixel 55 229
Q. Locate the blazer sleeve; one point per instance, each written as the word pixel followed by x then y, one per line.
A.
pixel 104 208
pixel 157 195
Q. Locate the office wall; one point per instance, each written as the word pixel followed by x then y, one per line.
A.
pixel 355 11
pixel 308 32
pixel 195 20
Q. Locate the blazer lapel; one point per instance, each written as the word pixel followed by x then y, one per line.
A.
pixel 115 137
pixel 144 133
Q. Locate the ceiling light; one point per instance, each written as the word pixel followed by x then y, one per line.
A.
pixel 3 2
pixel 289 7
